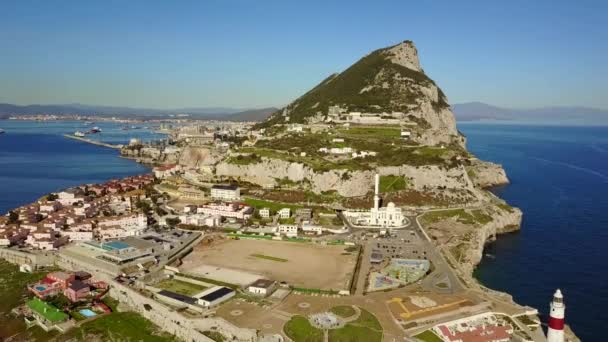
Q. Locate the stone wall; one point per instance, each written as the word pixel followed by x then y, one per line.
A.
pixel 34 259
pixel 169 320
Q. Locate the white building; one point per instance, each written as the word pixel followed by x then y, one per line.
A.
pixel 364 154
pixel 201 220
pixel 378 217
pixel 289 230
pixel 262 287
pixel 163 171
pixel 70 196
pixel 337 150
pixel 214 296
pixel 232 210
pixel 406 134
pixel 128 222
pixel 48 207
pixel 225 192
pixel 308 227
pixel 264 212
pixel 76 235
pixel 284 213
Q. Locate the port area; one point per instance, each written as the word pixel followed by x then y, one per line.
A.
pixel 94 142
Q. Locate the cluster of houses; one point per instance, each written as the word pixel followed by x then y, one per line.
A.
pixel 81 213
pixel 302 222
pixel 212 214
pixel 77 286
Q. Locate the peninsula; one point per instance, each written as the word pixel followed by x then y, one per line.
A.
pixel 354 213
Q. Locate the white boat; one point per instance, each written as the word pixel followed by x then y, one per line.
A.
pixel 2 131
pixel 79 134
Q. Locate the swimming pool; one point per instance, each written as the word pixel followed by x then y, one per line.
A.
pixel 40 288
pixel 87 313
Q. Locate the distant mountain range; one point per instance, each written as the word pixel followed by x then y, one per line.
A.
pixel 478 111
pixel 470 111
pixel 205 113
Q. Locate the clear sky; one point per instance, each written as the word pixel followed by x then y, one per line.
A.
pixel 255 53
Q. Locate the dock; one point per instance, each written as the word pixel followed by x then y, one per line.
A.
pixel 90 141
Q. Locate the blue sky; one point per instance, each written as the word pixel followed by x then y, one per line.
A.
pixel 172 54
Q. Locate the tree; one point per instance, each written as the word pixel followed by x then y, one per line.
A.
pixel 52 197
pixel 173 221
pixel 13 217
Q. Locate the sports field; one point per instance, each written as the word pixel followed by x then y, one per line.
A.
pixel 304 265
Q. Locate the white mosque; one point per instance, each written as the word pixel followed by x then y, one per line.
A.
pixel 377 217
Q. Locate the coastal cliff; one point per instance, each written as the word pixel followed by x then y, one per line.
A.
pixel 465 232
pixel 487 174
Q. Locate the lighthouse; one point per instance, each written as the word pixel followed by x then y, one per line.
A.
pixel 555 333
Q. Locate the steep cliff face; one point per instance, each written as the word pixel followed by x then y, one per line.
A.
pixel 346 183
pixel 388 80
pixel 465 232
pixel 487 174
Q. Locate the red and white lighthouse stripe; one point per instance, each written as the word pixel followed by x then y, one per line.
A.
pixel 555 333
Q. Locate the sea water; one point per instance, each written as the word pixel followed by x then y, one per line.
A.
pixel 559 178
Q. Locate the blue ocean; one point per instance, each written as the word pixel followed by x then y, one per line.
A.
pixel 36 159
pixel 559 178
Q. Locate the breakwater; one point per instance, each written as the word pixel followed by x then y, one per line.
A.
pixel 94 142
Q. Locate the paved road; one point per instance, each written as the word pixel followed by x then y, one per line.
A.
pixel 442 268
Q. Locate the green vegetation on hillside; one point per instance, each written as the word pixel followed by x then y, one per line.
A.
pixel 371 131
pixel 390 151
pixel 298 329
pixel 273 206
pixel 345 89
pixel 244 159
pixel 475 216
pixel 118 326
pixel 12 288
pixel 214 335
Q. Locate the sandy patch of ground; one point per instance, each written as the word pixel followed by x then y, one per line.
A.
pixel 301 264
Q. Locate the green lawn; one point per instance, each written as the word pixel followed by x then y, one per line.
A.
pixel 181 287
pixel 428 336
pixel 267 257
pixel 273 206
pixel 299 330
pixel 119 326
pixel 344 311
pixel 49 312
pixel 365 329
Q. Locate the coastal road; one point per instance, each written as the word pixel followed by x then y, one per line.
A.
pixel 442 267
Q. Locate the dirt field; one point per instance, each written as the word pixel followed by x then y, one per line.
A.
pixel 304 265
